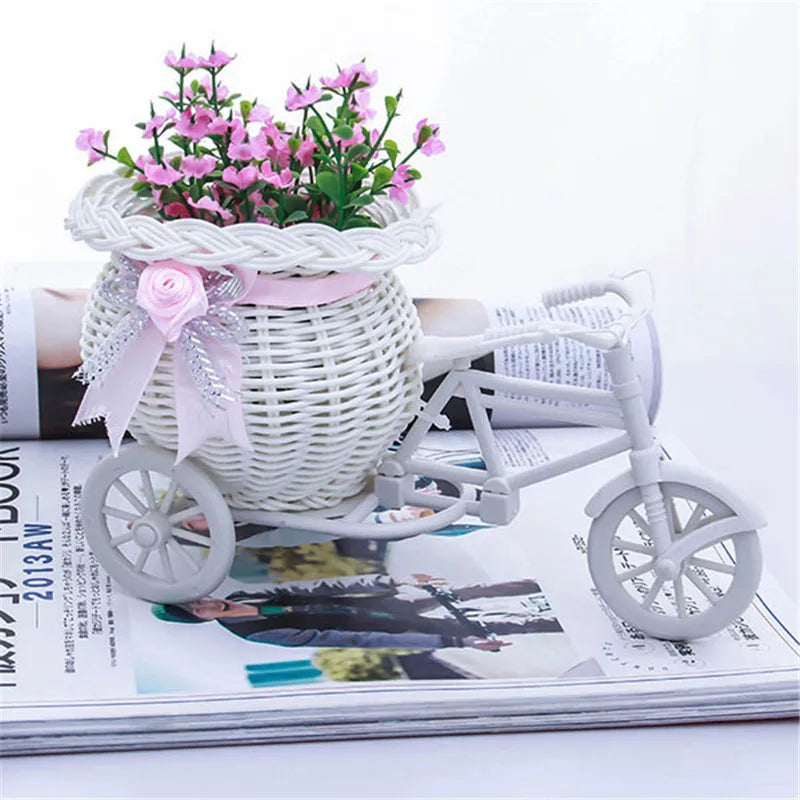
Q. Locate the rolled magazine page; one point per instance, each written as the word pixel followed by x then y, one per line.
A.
pixel 40 351
pixel 40 331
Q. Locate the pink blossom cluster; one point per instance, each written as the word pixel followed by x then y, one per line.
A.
pixel 212 159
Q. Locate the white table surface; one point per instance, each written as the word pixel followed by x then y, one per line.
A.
pixel 749 438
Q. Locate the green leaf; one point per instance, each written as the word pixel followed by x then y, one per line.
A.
pixel 139 185
pixel 392 150
pixel 415 174
pixel 314 124
pixel 343 132
pixel 325 96
pixel 124 157
pixel 360 222
pixel 360 202
pixel 329 183
pixel 268 211
pixel 245 107
pixel 358 172
pixel 358 150
pixel 294 144
pixel 382 177
pixel 105 139
pixel 296 216
pixel 141 125
pixel 294 203
pixel 391 104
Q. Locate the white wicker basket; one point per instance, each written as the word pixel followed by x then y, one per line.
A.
pixel 326 389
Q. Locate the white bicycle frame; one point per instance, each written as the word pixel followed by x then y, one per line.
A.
pixel 622 407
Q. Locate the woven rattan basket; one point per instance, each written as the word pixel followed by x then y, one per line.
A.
pixel 326 389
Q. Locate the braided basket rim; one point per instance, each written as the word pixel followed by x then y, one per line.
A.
pixel 108 216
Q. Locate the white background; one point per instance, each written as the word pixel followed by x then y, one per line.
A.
pixel 581 138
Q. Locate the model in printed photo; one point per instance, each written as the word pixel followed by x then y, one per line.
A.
pixel 373 611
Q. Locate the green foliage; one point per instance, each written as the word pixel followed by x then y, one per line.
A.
pixel 332 182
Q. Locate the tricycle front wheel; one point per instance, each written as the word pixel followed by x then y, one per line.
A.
pixel 713 585
pixel 162 530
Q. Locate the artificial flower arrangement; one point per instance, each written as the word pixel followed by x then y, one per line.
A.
pixel 219 157
pixel 250 316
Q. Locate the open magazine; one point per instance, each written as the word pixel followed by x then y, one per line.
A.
pixel 474 628
pixel 40 352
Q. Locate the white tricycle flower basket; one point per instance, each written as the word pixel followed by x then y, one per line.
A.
pixel 325 389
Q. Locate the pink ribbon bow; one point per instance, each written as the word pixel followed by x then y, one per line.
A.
pixel 169 303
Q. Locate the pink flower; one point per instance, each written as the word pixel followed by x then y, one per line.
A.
pixel 305 153
pixel 206 203
pixel 217 60
pixel 242 177
pixel 281 181
pixel 401 180
pixel 259 113
pixel 188 94
pixel 144 160
pixel 197 129
pixel 279 152
pixel 432 145
pixel 198 166
pixel 360 103
pixel 156 122
pixel 349 74
pixel 296 100
pixel 218 126
pixel 259 146
pixel 172 294
pixel 187 62
pixel 205 82
pixel 176 210
pixel 239 150
pixel 161 176
pixel 88 139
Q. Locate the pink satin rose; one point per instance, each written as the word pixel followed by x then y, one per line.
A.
pixel 172 294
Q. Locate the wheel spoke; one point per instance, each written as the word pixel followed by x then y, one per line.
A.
pixel 130 496
pixel 714 566
pixel 191 536
pixel 180 516
pixel 166 502
pixel 142 560
pixel 187 557
pixel 672 513
pixel 147 485
pixel 647 601
pixel 702 586
pixel 639 521
pixel 118 513
pixel 680 596
pixel 694 519
pixel 633 547
pixel 116 541
pixel 635 572
pixel 166 563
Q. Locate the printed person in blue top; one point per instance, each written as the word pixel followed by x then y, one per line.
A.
pixel 361 611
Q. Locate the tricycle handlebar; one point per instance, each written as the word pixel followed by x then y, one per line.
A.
pixel 448 348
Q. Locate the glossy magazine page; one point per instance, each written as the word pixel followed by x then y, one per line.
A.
pixel 471 628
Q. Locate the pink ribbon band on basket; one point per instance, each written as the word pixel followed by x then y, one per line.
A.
pixel 169 303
